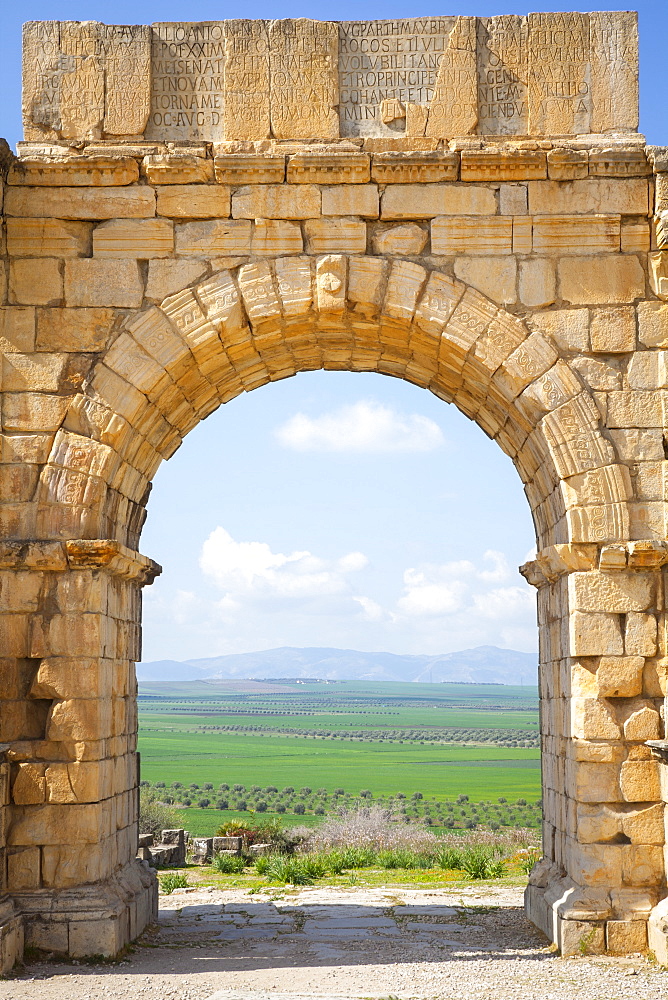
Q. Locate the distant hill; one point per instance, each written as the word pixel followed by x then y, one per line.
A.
pixel 482 665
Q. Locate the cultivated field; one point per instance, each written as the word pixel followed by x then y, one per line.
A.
pixel 301 750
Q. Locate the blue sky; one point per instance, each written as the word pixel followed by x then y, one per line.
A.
pixel 334 509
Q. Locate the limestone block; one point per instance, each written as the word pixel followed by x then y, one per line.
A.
pixel 513 199
pixel 93 282
pixel 249 168
pixel 180 168
pixel 471 235
pixel 527 362
pixel 73 330
pixel 32 411
pixel 425 201
pixel 277 201
pixel 47 238
pixel 639 781
pixel 29 786
pixel 642 864
pixel 620 676
pixel 503 165
pixel 17 329
pixel 351 199
pixel 80 203
pixel 613 331
pixel 577 937
pixel 303 73
pixel 335 235
pixel 330 284
pixel 453 107
pixel 53 824
pixel 538 283
pixel 404 285
pixel 658 273
pixel 78 782
pixel 246 100
pixel 635 409
pixel 569 328
pixel 85 79
pixel 645 826
pixel 84 171
pixel 212 238
pixel 596 823
pixel 635 236
pixel 35 282
pixel 653 324
pixel 593 720
pixel 366 282
pixel 40 372
pixel 411 167
pixel 329 168
pixel 640 635
pixel 599 375
pixel 194 201
pixel 295 285
pixel 138 238
pixel 626 937
pixel 272 237
pixel 648 370
pixel 564 164
pixel 601 280
pixel 168 276
pixel 595 195
pixel 257 289
pixel 615 592
pixel 595 634
pixel 24 869
pixel 595 864
pixel 643 724
pixel 493 276
pixel 404 239
pixel 576 234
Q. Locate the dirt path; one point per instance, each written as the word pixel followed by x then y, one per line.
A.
pixel 343 943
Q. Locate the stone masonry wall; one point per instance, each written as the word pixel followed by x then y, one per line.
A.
pixel 148 281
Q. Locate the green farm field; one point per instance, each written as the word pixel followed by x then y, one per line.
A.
pixel 442 740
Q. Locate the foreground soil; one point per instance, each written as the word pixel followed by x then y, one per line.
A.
pixel 342 943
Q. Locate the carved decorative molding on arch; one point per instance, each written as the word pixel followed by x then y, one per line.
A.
pixel 172 365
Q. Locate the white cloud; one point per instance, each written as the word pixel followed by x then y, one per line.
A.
pixel 251 570
pixel 362 427
pixel 504 602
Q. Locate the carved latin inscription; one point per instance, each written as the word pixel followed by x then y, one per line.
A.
pixel 188 85
pixel 437 77
pixel 387 61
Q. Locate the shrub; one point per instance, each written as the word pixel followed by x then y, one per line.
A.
pixel 305 790
pixel 299 808
pixel 228 864
pixel 154 815
pixel 223 804
pixel 261 806
pixel 204 803
pixel 172 881
pixel 297 870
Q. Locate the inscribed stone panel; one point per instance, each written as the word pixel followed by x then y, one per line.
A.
pixel 304 79
pixel 188 81
pixel 453 109
pixel 387 61
pixel 85 79
pixel 560 100
pixel 613 39
pixel 502 75
pixel 246 111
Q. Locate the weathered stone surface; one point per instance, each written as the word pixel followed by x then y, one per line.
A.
pixel 194 201
pixel 455 235
pixel 177 169
pixel 584 280
pixel 246 103
pixel 351 199
pixel 424 201
pixel 87 171
pixel 276 201
pixel 48 238
pixel 303 67
pixel 36 282
pixel 212 238
pixel 403 239
pixel 80 203
pixel 103 283
pixel 85 80
pixel 139 238
pixel 74 329
pixel 453 108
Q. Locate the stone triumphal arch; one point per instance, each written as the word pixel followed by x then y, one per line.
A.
pixel 198 209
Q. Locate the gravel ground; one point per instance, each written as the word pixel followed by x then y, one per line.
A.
pixel 341 944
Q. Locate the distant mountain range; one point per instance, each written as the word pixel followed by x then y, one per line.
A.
pixel 482 665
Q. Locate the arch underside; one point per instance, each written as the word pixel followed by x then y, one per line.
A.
pixel 171 366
